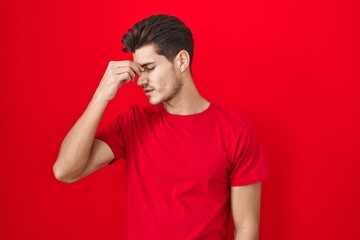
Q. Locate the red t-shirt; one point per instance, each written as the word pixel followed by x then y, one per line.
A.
pixel 180 169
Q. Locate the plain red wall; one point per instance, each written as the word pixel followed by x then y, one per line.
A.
pixel 291 67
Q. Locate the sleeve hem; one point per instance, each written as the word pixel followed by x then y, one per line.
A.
pixel 242 182
pixel 111 145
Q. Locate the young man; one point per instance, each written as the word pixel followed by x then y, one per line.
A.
pixel 189 162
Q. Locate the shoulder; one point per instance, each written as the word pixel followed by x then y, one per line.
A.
pixel 229 117
pixel 137 111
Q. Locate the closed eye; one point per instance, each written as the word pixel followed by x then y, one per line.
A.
pixel 149 69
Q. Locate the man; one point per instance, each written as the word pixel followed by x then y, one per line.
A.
pixel 189 162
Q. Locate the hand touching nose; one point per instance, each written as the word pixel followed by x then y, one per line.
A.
pixel 117 73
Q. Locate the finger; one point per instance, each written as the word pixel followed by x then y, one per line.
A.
pixel 123 77
pixel 130 71
pixel 136 68
pixel 126 63
pixel 122 70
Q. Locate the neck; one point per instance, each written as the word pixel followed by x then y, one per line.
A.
pixel 188 101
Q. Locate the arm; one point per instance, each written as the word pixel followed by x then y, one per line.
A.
pixel 80 154
pixel 245 208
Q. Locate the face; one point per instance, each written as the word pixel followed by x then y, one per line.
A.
pixel 159 80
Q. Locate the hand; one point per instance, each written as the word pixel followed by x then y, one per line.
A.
pixel 115 75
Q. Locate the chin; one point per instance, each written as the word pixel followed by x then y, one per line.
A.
pixel 155 102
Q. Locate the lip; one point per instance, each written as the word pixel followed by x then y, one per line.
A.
pixel 148 91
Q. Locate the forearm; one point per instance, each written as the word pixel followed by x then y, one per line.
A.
pixel 76 146
pixel 246 233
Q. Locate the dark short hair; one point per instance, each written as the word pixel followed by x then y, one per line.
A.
pixel 168 34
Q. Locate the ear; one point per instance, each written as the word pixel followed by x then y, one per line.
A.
pixel 182 60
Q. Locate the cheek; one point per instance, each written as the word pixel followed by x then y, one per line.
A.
pixel 161 77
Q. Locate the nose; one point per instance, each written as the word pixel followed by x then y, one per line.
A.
pixel 142 79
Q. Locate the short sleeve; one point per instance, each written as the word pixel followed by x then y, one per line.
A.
pixel 112 135
pixel 249 164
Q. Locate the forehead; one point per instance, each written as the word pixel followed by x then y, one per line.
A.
pixel 147 54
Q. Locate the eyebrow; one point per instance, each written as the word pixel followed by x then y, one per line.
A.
pixel 146 64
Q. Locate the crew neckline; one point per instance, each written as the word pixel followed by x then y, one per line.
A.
pixel 186 117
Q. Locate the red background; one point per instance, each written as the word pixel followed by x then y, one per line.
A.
pixel 291 67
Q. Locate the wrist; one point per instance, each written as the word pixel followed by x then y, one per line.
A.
pixel 99 98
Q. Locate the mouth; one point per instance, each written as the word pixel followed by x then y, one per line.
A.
pixel 148 91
